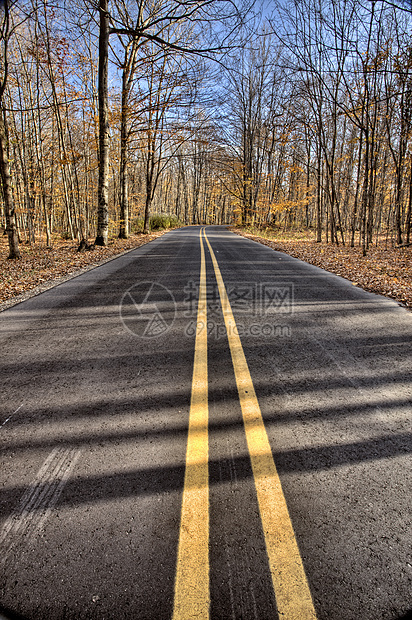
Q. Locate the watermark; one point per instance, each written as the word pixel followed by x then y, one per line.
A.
pixel 247 298
pixel 218 330
pixel 148 309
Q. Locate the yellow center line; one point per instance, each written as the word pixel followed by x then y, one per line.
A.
pixel 293 597
pixel 192 598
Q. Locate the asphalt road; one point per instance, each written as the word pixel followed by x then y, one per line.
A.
pixel 98 388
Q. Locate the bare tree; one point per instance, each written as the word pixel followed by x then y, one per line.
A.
pixel 103 189
pixel 152 22
pixel 6 31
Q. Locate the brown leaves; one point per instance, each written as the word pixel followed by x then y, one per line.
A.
pixel 383 271
pixel 39 264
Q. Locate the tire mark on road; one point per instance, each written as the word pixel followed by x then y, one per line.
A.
pixel 38 501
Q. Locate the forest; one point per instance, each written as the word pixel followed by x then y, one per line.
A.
pixel 285 115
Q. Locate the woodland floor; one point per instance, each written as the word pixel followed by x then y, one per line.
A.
pixel 40 268
pixel 385 270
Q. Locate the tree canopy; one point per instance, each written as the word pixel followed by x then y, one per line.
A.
pixel 294 115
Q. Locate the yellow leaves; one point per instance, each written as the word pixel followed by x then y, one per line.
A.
pixel 39 264
pixel 278 207
pixel 375 273
pixel 288 205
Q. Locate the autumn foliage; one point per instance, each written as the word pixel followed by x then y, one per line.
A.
pixel 40 268
pixel 385 270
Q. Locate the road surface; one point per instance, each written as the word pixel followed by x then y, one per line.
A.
pixel 205 428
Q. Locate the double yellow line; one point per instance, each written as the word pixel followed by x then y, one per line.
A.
pixel 192 597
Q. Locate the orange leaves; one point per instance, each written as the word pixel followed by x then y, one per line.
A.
pixel 39 264
pixel 383 271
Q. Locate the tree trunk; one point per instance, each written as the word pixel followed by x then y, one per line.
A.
pixel 409 211
pixel 103 184
pixel 8 193
pixel 147 208
pixel 128 71
pixel 124 200
pixel 319 206
pixel 354 216
pixel 149 189
pixel 398 217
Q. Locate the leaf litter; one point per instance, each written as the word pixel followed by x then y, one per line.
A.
pixel 384 270
pixel 40 267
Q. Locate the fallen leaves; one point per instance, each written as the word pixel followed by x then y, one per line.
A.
pixel 385 271
pixel 40 265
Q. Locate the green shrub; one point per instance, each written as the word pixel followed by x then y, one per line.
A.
pixel 157 221
pixel 136 225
